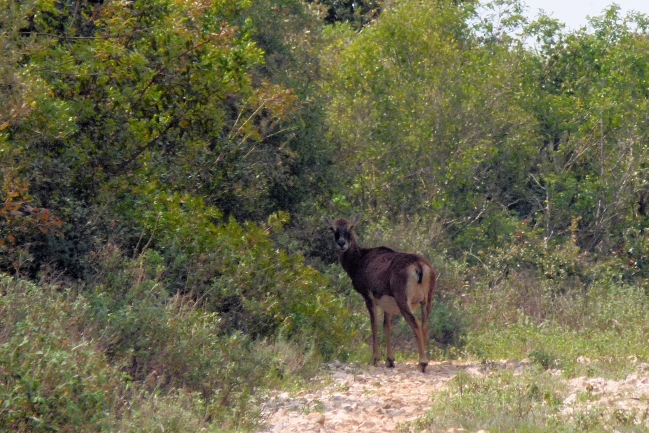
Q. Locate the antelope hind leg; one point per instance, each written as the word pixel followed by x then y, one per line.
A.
pixel 417 329
pixel 387 330
pixel 425 313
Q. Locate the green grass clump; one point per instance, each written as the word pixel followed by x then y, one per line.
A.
pixel 53 374
pixel 498 402
pixel 532 402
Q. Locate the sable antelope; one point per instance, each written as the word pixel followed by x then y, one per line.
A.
pixel 395 282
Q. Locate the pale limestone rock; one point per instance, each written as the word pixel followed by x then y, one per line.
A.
pixel 631 379
pixel 571 399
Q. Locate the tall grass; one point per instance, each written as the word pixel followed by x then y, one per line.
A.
pixel 607 324
pixel 66 368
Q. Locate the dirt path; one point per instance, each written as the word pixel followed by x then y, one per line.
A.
pixel 362 399
pixel 366 399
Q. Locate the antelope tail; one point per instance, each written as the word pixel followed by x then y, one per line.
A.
pixel 420 273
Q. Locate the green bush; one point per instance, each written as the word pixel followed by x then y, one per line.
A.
pixel 447 325
pixel 543 359
pixel 177 342
pixel 225 267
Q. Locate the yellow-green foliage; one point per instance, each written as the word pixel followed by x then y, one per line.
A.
pixel 233 269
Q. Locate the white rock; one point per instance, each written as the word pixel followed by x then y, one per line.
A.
pixel 340 375
pixel 631 379
pixel 571 399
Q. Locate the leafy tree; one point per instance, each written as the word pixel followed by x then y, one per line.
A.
pixel 593 96
pixel 431 119
pixel 138 92
pixel 22 221
pixel 291 38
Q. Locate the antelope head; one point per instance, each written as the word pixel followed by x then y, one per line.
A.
pixel 342 231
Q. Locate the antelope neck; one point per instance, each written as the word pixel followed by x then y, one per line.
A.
pixel 349 258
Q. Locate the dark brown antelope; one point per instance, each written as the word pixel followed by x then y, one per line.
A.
pixel 395 282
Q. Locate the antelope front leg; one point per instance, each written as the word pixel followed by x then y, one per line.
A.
pixel 387 330
pixel 375 332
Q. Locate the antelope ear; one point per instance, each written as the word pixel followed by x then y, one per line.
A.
pixel 356 219
pixel 328 222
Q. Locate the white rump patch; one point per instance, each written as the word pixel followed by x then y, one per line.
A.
pixel 388 304
pixel 416 292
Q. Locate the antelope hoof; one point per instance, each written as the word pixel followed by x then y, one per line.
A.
pixel 422 366
pixel 389 363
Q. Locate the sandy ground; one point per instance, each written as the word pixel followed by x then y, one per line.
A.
pixel 351 398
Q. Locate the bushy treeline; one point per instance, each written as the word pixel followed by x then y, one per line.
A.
pixel 164 166
pixel 492 134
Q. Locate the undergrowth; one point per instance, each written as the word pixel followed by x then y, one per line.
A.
pixel 162 365
pixel 123 354
pixel 551 303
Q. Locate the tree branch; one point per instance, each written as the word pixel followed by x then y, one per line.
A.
pixel 142 149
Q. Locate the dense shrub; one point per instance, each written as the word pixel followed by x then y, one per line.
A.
pixel 230 268
pixel 237 286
